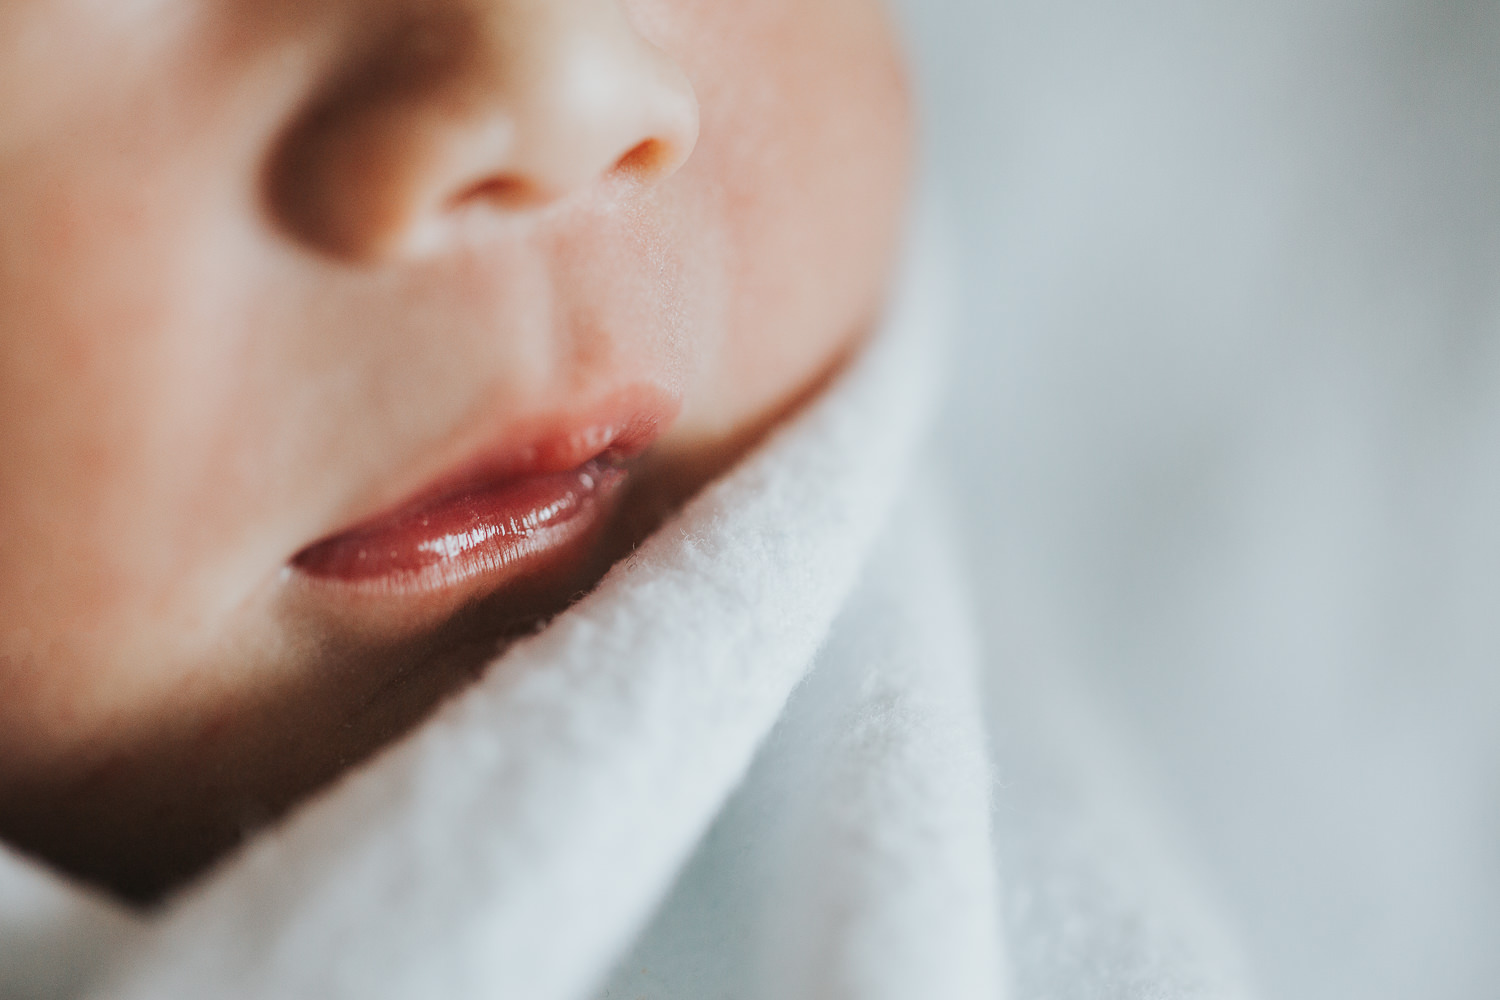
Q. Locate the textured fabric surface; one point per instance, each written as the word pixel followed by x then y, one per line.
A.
pixel 856 860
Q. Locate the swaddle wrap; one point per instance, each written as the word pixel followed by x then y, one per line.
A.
pixel 751 764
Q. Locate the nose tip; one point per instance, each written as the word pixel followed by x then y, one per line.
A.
pixel 588 106
pixel 502 113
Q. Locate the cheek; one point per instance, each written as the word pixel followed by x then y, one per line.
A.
pixel 805 151
pixel 114 376
pixel 123 246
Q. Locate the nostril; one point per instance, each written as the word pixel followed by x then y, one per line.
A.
pixel 646 160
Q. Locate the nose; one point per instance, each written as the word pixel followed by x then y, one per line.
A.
pixel 498 107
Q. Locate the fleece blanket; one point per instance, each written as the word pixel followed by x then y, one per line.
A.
pixel 761 760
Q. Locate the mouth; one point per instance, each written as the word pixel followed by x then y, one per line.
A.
pixel 526 507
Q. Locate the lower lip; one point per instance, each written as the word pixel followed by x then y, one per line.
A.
pixel 486 533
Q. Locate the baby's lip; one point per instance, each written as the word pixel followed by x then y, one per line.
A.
pixel 527 503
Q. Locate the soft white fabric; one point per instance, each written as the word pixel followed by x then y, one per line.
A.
pixel 855 861
pixel 752 764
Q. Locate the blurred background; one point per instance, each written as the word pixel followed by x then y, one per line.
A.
pixel 1227 436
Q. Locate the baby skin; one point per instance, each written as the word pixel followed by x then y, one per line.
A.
pixel 342 339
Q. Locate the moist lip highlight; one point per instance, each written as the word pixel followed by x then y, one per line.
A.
pixel 526 504
pixel 480 531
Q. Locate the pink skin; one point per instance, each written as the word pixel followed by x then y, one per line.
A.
pixel 274 273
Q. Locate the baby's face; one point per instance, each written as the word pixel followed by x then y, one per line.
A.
pixel 329 329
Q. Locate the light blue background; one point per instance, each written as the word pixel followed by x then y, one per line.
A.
pixel 1228 437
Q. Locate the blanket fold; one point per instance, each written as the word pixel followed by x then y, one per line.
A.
pixel 752 764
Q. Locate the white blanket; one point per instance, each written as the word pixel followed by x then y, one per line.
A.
pixel 753 764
